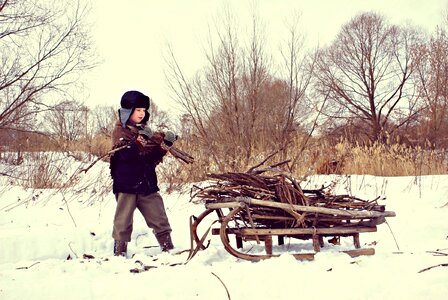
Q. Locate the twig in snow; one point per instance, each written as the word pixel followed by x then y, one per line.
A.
pixel 438 253
pixel 393 235
pixel 138 236
pixel 68 208
pixel 228 294
pixel 26 268
pixel 149 247
pixel 143 268
pixel 429 268
pixel 72 250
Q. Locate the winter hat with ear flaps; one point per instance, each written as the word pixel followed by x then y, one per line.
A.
pixel 131 100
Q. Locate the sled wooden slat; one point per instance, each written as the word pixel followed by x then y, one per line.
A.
pixel 352 253
pixel 318 231
pixel 298 231
pixel 217 205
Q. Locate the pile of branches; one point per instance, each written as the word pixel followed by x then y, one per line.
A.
pixel 280 187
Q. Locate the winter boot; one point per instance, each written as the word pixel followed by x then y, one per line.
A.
pixel 120 248
pixel 165 242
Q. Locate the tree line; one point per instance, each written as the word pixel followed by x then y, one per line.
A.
pixel 376 82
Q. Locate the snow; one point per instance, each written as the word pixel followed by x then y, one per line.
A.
pixel 47 235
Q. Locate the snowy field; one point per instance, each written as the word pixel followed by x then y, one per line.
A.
pixel 56 244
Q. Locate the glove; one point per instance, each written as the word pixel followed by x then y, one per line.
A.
pixel 143 137
pixel 147 132
pixel 169 138
pixel 141 142
pixel 157 137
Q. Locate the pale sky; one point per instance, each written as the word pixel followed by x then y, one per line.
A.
pixel 131 37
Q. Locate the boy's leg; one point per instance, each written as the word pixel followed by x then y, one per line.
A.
pixel 124 213
pixel 153 210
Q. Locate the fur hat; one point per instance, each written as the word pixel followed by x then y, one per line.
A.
pixel 130 101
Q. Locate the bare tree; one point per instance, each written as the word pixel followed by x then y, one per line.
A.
pixel 366 74
pixel 223 79
pixel 45 47
pixel 234 105
pixel 299 68
pixel 67 121
pixel 159 119
pixel 223 100
pixel 104 119
pixel 432 83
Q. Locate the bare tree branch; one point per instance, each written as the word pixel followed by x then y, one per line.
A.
pixel 368 71
pixel 47 46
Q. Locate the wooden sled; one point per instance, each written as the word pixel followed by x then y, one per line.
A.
pixel 260 221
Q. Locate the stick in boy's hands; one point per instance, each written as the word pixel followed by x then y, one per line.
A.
pixel 166 141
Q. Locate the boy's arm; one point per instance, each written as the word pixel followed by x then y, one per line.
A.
pixel 142 145
pixel 131 150
pixel 166 141
pixel 154 151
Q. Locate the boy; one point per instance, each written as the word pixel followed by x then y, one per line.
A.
pixel 134 175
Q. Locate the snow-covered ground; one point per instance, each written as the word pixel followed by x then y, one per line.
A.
pixel 56 244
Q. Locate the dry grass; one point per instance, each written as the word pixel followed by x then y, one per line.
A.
pixel 37 170
pixel 45 170
pixel 395 160
pixel 319 157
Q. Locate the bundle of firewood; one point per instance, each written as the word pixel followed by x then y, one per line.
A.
pixel 179 154
pixel 281 197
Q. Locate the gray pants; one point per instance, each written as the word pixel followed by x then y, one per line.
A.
pixel 151 207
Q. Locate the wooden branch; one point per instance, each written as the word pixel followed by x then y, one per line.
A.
pixel 314 209
pixel 429 268
pixel 29 267
pixel 101 157
pixel 228 294
pixel 278 202
pixel 438 253
pixel 251 170
pixel 179 154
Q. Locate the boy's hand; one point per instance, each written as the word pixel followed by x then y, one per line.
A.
pixel 147 132
pixel 169 138
pixel 157 137
pixel 141 139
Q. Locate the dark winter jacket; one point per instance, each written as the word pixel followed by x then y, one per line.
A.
pixel 133 168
